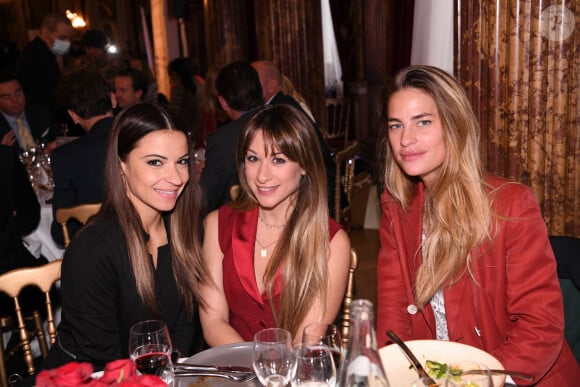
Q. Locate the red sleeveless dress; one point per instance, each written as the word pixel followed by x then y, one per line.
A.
pixel 250 311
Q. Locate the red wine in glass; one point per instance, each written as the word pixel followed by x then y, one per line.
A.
pixel 152 363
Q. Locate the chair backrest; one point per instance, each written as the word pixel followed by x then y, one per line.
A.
pixel 345 163
pixel 348 298
pixel 337 122
pixel 42 277
pixel 82 213
pixel 567 253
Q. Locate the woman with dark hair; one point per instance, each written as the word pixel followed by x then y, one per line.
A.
pixel 139 258
pixel 276 258
pixel 465 255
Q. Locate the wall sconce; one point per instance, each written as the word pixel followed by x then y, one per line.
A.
pixel 76 20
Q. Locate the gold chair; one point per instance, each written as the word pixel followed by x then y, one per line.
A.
pixel 12 284
pixel 235 192
pixel 82 213
pixel 348 298
pixel 337 122
pixel 345 161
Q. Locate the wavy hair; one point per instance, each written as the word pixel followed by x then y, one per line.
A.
pixel 457 213
pixel 303 249
pixel 129 127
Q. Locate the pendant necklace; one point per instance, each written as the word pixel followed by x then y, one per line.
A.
pixel 263 251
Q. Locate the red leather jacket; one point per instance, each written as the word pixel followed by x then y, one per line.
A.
pixel 512 310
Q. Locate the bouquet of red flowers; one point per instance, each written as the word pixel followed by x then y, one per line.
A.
pixel 122 372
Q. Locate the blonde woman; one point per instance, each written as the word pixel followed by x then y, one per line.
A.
pixel 276 258
pixel 464 255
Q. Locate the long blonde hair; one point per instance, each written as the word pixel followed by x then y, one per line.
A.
pixel 303 248
pixel 457 213
pixel 189 269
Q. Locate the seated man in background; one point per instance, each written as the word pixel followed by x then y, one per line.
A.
pixel 130 87
pixel 22 125
pixel 19 216
pixel 239 92
pixel 78 166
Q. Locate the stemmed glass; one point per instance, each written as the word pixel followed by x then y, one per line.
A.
pixel 273 358
pixel 325 334
pixel 150 348
pixel 314 366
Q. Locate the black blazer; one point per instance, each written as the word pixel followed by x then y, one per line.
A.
pixel 19 212
pixel 40 120
pixel 78 171
pixel 220 171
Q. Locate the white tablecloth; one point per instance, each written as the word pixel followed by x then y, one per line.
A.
pixel 40 242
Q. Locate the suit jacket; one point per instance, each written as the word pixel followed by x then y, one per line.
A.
pixel 220 170
pixel 38 73
pixel 40 121
pixel 512 310
pixel 329 163
pixel 19 212
pixel 78 172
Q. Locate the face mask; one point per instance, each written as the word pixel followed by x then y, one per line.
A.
pixel 60 47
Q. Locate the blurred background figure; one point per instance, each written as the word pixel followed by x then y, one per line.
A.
pixel 38 69
pixel 239 92
pixel 96 58
pixel 212 114
pixel 130 87
pixel 19 213
pixel 152 95
pixel 78 166
pixel 185 102
pixel 21 126
pixel 287 88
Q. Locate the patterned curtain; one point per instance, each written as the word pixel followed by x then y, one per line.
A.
pixel 519 61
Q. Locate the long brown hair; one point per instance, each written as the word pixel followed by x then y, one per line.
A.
pixel 303 248
pixel 457 214
pixel 130 126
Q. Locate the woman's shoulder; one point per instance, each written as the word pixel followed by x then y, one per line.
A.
pixel 497 184
pixel 505 193
pixel 102 233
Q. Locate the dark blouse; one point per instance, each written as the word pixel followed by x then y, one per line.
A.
pixel 100 300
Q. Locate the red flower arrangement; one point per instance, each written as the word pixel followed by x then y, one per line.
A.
pixel 122 372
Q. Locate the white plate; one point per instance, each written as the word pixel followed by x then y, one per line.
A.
pixel 238 354
pixel 397 366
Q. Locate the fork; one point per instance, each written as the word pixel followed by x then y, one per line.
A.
pixel 236 377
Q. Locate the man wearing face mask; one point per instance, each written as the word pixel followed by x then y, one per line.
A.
pixel 37 69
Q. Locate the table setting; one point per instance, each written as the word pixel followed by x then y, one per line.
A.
pixel 274 359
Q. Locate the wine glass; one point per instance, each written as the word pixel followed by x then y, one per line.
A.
pixel 326 334
pixel 150 348
pixel 458 374
pixel 314 366
pixel 273 358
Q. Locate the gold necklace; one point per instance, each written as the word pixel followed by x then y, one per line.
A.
pixel 263 251
pixel 271 226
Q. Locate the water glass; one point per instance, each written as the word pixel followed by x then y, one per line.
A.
pixel 273 358
pixel 325 334
pixel 314 366
pixel 150 348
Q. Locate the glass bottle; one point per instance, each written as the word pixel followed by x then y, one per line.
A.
pixel 362 365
